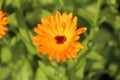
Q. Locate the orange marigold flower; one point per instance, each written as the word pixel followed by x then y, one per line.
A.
pixel 3 22
pixel 57 36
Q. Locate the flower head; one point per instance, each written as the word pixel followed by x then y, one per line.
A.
pixel 57 35
pixel 3 22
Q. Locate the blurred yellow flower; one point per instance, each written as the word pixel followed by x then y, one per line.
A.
pixel 3 23
pixel 57 36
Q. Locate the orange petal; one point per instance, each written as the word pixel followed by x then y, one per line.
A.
pixel 52 56
pixel 81 30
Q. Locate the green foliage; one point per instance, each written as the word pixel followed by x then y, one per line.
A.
pixel 99 60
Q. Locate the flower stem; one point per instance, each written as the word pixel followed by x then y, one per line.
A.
pixel 93 31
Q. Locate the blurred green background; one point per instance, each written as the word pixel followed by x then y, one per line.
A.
pixel 99 60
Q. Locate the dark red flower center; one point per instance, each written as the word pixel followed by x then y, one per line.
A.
pixel 60 39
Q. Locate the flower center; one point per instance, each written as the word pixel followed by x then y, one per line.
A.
pixel 60 39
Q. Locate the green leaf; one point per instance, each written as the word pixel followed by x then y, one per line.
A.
pixel 25 72
pixel 12 20
pixel 94 55
pixel 14 40
pixel 50 72
pixel 101 38
pixel 4 73
pixel 43 72
pixel 46 2
pixel 76 69
pixel 1 1
pixel 34 16
pixel 45 68
pixel 80 69
pixel 40 75
pixel 88 12
pixel 22 26
pixel 6 54
pixel 116 22
pixel 85 14
pixel 25 33
pixel 113 69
